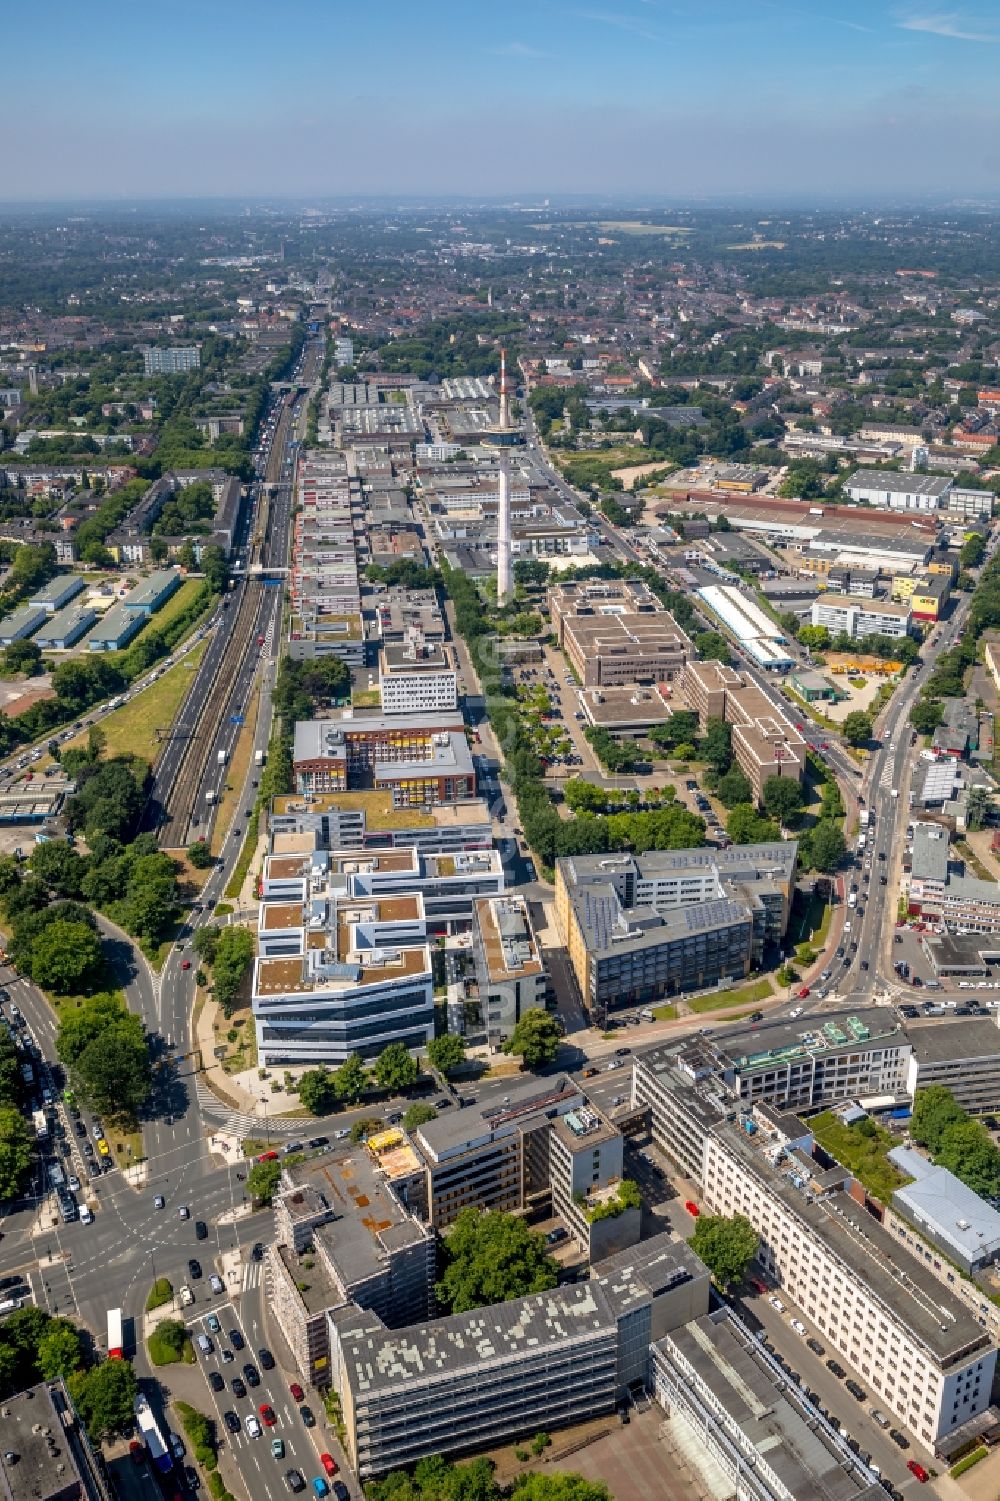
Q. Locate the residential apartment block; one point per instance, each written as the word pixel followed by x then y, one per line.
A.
pixel 858 618
pixel 616 631
pixel 177 360
pixel 765 741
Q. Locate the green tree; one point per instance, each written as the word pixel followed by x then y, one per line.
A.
pixel 733 787
pixel 857 727
pixel 105 1397
pixel 59 1350
pixel 935 1109
pixel 926 715
pixel 78 1028
pixel 726 1246
pixel 66 957
pixel 200 854
pixel 16 1151
pixel 745 826
pixel 827 846
pixel 815 637
pixel 22 656
pixel 782 798
pixel 59 867
pixel 717 746
pixel 535 1039
pixel 712 646
pixel 446 1052
pixel 967 1150
pixel 395 1068
pixel 972 552
pixel 978 807
pixel 558 1486
pixel 113 1073
pixel 418 1114
pixel 206 941
pixel 262 1181
pixel 489 1258
pixel 318 1091
pixel 233 958
pixel 351 1080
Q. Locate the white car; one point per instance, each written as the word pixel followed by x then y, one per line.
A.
pixel 615 1063
pixel 252 1424
pixel 187 1296
pixel 215 1283
pixel 798 1326
pixel 777 1305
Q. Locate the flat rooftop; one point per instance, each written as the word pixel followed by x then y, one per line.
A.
pixel 947 1041
pixel 509 947
pixel 768 1043
pixel 500 1110
pixel 756 1396
pixel 33 1420
pixel 932 1314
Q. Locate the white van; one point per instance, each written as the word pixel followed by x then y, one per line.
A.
pixel 205 1345
pixel 86 1215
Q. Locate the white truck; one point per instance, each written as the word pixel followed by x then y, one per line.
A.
pixel 210 797
pixel 258 758
pixel 41 1125
pixel 221 758
pixel 57 1178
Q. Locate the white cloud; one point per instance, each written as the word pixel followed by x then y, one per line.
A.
pixel 947 25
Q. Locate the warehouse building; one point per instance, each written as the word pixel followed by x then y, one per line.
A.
pixel 116 630
pixel 64 629
pixel 896 491
pixel 24 621
pixel 57 593
pixel 152 593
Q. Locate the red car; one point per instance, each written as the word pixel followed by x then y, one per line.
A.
pixel 757 1285
pixel 692 1208
pixel 296 1391
pixel 917 1469
pixel 804 993
pixel 267 1157
pixel 136 1452
pixel 185 964
pixel 267 1414
pixel 329 1463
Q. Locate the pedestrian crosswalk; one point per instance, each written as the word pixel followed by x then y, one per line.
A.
pixel 240 1123
pixel 253 1275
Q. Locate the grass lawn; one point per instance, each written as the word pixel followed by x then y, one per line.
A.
pixel 178 602
pixel 865 1155
pixel 161 1292
pixel 241 1049
pixel 721 1000
pixel 131 730
pixel 666 1013
pixel 366 698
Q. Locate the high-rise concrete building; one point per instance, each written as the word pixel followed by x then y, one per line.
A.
pixel 176 361
pixel 505 567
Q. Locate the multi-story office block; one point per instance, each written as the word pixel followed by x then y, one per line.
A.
pixel 859 618
pixel 418 677
pixel 449 884
pixel 509 965
pixel 963 1056
pixel 641 927
pixel 914 1344
pixel 335 977
pixel 765 741
pixel 617 631
pixel 354 1217
pixel 419 760
pixel 475 1379
pixel 369 820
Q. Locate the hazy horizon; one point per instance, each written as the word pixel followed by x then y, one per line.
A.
pixel 655 100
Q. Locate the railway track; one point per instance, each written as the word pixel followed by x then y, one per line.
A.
pixel 173 831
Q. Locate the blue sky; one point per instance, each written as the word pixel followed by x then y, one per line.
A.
pixel 642 98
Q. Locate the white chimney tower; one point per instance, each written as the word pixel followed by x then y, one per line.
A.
pixel 505 574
